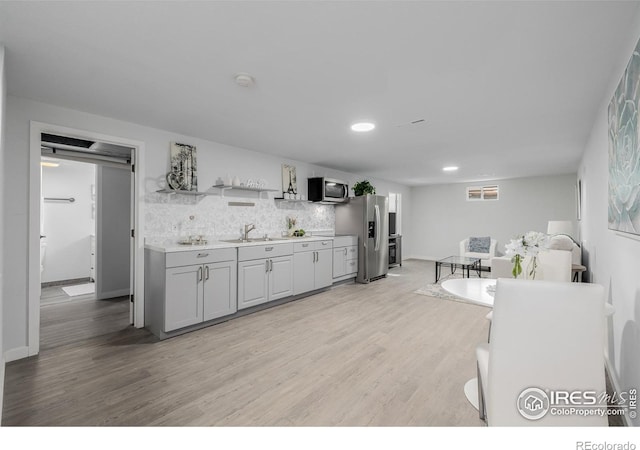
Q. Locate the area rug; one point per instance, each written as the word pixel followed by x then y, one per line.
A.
pixel 80 289
pixel 435 289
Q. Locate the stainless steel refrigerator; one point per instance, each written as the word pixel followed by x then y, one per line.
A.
pixel 367 217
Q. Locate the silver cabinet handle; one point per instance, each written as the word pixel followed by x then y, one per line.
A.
pixel 305 245
pixel 266 265
pixel 202 255
pixel 200 273
pixel 270 265
pixel 268 249
pixel 325 243
pixel 345 252
pixel 206 268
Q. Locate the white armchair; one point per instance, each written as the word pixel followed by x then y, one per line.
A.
pixel 547 335
pixel 485 258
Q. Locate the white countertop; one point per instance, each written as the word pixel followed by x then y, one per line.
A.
pixel 171 245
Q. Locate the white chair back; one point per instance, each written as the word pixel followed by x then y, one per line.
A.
pixel 548 335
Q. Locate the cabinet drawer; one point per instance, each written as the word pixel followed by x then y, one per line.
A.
pixel 313 245
pixel 324 245
pixel 264 251
pixel 176 259
pixel 352 266
pixel 352 252
pixel 304 246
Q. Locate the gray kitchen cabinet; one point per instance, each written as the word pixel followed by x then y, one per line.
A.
pixel 312 267
pixel 187 288
pixel 220 286
pixel 345 258
pixel 265 273
pixel 183 298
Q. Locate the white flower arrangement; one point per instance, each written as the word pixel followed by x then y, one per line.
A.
pixel 528 244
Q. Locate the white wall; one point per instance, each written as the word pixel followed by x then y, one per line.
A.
pixel 2 189
pixel 214 160
pixel 113 242
pixel 67 226
pixel 612 259
pixel 442 216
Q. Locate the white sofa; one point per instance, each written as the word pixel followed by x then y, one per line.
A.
pixel 552 265
pixel 485 258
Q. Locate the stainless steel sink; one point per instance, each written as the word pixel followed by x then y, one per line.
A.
pixel 245 241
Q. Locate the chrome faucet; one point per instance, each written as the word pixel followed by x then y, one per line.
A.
pixel 247 229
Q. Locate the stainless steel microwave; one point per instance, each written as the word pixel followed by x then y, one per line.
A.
pixel 327 190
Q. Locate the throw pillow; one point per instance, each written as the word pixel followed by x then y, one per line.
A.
pixel 479 244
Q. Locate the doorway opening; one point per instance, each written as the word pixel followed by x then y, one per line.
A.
pixel 85 230
pixel 111 262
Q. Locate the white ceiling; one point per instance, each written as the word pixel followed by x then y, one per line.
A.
pixel 507 89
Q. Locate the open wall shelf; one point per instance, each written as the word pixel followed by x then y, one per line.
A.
pixel 221 188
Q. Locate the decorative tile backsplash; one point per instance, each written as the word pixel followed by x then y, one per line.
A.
pixel 169 216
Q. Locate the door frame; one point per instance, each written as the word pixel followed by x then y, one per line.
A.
pixel 33 256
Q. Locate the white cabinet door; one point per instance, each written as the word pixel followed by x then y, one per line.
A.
pixel 323 268
pixel 219 289
pixel 339 262
pixel 253 279
pixel 281 277
pixel 303 272
pixel 183 301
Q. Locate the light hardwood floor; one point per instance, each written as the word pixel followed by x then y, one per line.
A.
pixel 355 355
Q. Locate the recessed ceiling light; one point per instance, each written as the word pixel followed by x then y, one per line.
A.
pixel 450 168
pixel 363 126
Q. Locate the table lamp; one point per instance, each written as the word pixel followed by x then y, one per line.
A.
pixel 560 227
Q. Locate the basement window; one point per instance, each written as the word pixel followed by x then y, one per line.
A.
pixel 481 193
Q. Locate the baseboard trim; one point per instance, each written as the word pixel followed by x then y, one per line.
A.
pixel 65 282
pixel 16 353
pixel 422 258
pixel 616 387
pixel 114 294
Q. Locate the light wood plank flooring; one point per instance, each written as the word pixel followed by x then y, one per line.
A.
pixel 355 355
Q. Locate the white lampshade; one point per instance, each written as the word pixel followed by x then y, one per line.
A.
pixel 560 227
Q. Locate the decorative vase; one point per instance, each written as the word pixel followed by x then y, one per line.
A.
pixel 531 268
pixel 517 266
